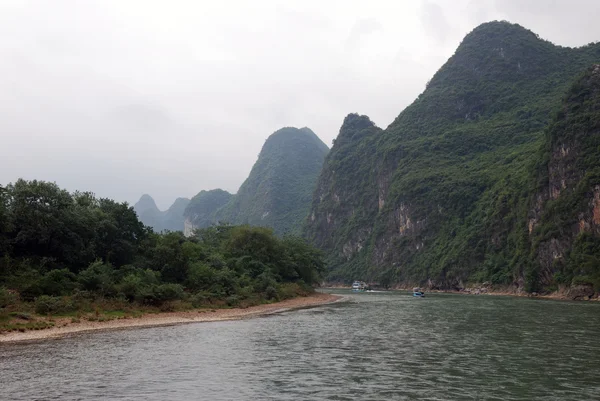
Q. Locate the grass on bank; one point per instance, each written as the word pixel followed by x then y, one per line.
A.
pixel 48 311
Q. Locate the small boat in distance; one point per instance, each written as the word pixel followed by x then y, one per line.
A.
pixel 418 293
pixel 359 286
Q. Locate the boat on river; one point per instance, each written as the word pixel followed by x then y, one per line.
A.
pixel 418 293
pixel 359 286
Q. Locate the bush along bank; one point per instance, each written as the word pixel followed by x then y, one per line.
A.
pixel 75 255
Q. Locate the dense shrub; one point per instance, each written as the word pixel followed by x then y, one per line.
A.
pixel 58 282
pixel 7 298
pixel 291 290
pixel 47 304
pixel 156 295
pixel 232 300
pixel 271 293
pixel 97 277
pixel 200 276
pixel 200 299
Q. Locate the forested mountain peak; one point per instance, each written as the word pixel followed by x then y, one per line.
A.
pixel 441 196
pixel 498 67
pixel 354 128
pixel 285 139
pixel 501 51
pixel 278 191
pixel 146 202
pixel 356 121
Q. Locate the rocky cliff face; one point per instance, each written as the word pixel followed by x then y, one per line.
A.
pixel 336 206
pixel 447 193
pixel 564 221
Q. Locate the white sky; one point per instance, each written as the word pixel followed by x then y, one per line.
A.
pixel 125 97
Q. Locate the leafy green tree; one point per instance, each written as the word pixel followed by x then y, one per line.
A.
pixel 119 232
pixel 42 223
pixel 61 249
pixel 3 220
pixel 168 257
pixel 200 276
pixel 58 282
pixel 301 260
pixel 98 277
pixel 258 243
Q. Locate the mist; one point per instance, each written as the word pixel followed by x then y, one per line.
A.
pixel 123 98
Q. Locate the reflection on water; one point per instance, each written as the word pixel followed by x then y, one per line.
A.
pixel 375 346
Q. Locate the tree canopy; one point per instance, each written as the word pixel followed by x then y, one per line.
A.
pixel 57 244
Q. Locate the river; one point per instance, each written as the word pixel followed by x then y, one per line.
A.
pixel 373 346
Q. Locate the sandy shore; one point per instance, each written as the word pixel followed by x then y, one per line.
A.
pixel 64 327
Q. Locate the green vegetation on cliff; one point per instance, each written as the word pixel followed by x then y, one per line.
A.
pixel 63 252
pixel 565 220
pixel 442 196
pixel 279 189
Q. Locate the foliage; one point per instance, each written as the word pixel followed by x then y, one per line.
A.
pixel 47 304
pixel 7 298
pixel 64 251
pixel 444 193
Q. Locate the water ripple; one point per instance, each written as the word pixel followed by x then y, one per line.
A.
pixel 376 346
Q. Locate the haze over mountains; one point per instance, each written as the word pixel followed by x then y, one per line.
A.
pixel 168 220
pixel 276 194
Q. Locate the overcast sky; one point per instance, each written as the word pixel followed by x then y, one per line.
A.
pixel 125 97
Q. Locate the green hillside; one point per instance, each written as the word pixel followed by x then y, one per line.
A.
pixel 442 196
pixel 278 191
pixel 200 212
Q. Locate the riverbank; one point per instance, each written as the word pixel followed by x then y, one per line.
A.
pixel 65 326
pixel 575 293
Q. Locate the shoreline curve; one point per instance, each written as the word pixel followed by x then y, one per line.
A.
pixel 64 329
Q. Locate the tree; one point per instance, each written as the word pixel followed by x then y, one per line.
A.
pixel 119 232
pixel 3 220
pixel 43 223
pixel 257 242
pixel 301 261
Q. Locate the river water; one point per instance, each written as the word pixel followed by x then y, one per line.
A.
pixel 374 346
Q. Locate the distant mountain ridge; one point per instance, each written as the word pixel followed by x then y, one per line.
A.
pixel 171 219
pixel 276 194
